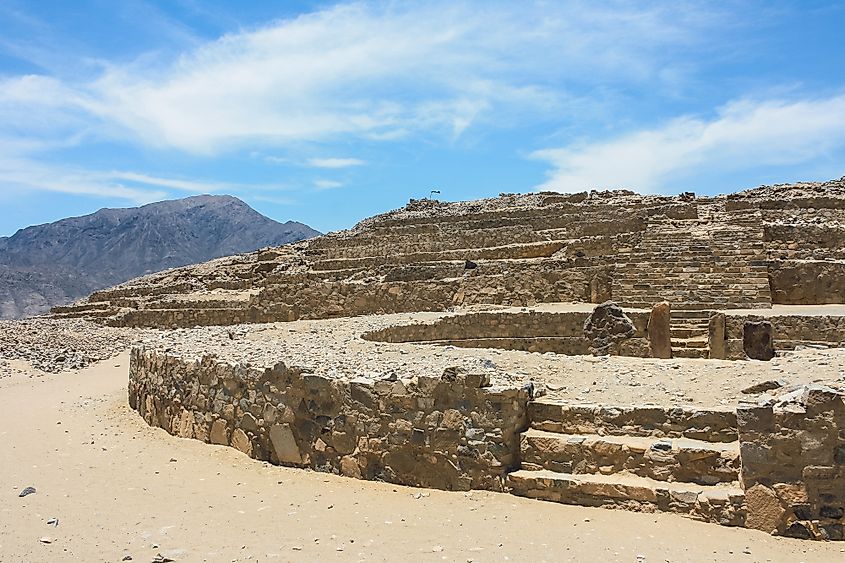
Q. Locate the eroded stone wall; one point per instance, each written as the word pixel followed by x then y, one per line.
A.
pixel 450 431
pixel 793 463
pixel 534 331
pixel 789 331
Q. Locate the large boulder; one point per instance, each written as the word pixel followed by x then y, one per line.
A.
pixel 659 331
pixel 606 326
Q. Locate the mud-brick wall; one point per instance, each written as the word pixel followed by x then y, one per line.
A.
pixel 793 465
pixel 451 431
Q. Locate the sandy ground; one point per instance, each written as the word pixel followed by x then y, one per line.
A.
pixel 120 488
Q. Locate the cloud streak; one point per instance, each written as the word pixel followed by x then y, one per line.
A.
pixel 334 162
pixel 743 134
pixel 372 71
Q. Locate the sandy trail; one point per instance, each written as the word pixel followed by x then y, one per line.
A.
pixel 121 488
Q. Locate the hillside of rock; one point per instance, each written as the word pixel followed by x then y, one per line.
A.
pixel 57 263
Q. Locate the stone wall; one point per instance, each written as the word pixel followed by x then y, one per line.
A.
pixel 805 282
pixel 793 463
pixel 789 331
pixel 450 431
pixel 534 331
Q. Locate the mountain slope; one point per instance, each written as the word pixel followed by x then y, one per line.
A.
pixel 59 262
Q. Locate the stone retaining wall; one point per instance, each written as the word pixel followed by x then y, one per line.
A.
pixel 534 331
pixel 451 431
pixel 793 464
pixel 807 282
pixel 789 331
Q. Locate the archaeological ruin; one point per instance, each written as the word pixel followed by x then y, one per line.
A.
pixel 602 349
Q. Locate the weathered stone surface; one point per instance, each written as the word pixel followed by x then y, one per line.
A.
pixel 240 441
pixel 764 510
pixel 284 444
pixel 758 340
pixel 716 338
pixel 659 335
pixel 450 432
pixel 219 433
pixel 607 327
pixel 789 451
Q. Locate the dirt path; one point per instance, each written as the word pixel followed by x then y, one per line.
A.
pixel 120 488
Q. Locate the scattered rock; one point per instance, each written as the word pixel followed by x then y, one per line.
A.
pixel 27 491
pixel 764 386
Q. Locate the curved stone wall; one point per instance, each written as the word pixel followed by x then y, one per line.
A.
pixel 534 331
pixel 453 432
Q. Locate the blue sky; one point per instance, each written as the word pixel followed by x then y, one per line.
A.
pixel 330 112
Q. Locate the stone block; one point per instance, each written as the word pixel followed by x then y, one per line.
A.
pixel 758 340
pixel 241 442
pixel 716 338
pixel 219 433
pixel 765 512
pixel 284 444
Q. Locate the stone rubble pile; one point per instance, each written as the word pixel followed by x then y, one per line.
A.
pixel 53 345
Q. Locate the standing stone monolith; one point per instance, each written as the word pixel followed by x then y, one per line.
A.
pixel 716 337
pixel 659 331
pixel 758 340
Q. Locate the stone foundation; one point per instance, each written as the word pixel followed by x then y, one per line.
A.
pixel 777 465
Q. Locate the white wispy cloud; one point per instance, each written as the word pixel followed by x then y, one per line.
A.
pixel 375 71
pixel 22 172
pixel 174 183
pixel 741 135
pixel 334 162
pixel 327 184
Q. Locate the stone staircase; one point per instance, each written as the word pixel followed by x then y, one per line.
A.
pixel 716 261
pixel 649 459
pixel 689 330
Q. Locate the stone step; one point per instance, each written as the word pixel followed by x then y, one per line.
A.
pixel 649 303
pixel 690 353
pixel 711 503
pixel 685 333
pixel 696 343
pixel 662 459
pixel 711 424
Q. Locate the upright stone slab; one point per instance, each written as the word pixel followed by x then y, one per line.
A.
pixel 659 332
pixel 716 341
pixel 758 340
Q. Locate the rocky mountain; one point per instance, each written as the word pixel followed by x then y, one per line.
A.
pixel 57 263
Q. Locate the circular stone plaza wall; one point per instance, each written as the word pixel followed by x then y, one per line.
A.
pixel 316 394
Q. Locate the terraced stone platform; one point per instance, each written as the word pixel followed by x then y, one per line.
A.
pixel 506 344
pixel 745 250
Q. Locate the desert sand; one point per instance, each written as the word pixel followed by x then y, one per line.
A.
pixel 121 489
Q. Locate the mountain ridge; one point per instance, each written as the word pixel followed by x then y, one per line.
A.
pixel 56 263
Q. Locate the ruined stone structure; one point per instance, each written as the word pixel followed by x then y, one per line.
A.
pixel 781 245
pixel 677 277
